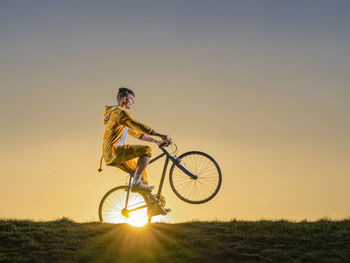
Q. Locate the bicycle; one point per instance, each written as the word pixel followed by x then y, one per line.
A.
pixel 195 177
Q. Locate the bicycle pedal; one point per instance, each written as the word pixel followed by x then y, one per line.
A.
pixel 156 210
pixel 166 210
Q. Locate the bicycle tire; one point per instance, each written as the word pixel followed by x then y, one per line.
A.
pixel 192 190
pixel 112 203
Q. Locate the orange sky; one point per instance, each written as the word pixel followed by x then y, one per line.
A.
pixel 261 87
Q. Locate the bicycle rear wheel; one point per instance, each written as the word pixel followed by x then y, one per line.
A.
pixel 113 202
pixel 202 189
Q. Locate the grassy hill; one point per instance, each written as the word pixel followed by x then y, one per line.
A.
pixel 236 241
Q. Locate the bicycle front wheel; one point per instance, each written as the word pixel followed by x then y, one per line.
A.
pixel 113 202
pixel 202 189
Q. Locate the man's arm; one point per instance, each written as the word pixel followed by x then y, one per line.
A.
pixel 145 137
pixel 165 138
pixel 128 120
pixel 136 134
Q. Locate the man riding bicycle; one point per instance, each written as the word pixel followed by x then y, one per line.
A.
pixel 118 123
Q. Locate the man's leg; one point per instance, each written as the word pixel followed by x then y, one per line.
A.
pixel 137 184
pixel 131 166
pixel 141 166
pixel 128 152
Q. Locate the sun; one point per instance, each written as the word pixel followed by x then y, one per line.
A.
pixel 137 219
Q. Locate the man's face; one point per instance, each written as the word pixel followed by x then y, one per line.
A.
pixel 128 101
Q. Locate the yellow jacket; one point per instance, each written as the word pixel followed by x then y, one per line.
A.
pixel 118 123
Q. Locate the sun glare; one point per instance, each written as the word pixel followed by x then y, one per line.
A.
pixel 137 219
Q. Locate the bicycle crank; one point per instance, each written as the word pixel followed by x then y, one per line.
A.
pixel 160 199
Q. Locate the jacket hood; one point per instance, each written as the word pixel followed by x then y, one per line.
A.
pixel 107 113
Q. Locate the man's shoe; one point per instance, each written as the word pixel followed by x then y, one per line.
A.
pixel 156 210
pixel 140 186
pixel 166 210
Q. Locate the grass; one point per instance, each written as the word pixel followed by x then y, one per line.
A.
pixel 236 241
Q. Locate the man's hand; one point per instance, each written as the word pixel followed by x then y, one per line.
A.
pixel 159 143
pixel 166 138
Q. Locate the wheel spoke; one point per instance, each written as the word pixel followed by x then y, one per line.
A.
pixel 197 190
pixel 114 202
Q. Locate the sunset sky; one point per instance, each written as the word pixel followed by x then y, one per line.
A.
pixel 262 86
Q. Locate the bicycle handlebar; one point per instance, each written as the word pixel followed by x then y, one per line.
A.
pixel 165 144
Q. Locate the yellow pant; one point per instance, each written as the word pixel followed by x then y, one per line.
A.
pixel 125 157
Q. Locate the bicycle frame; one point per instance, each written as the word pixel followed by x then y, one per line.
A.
pixel 176 161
